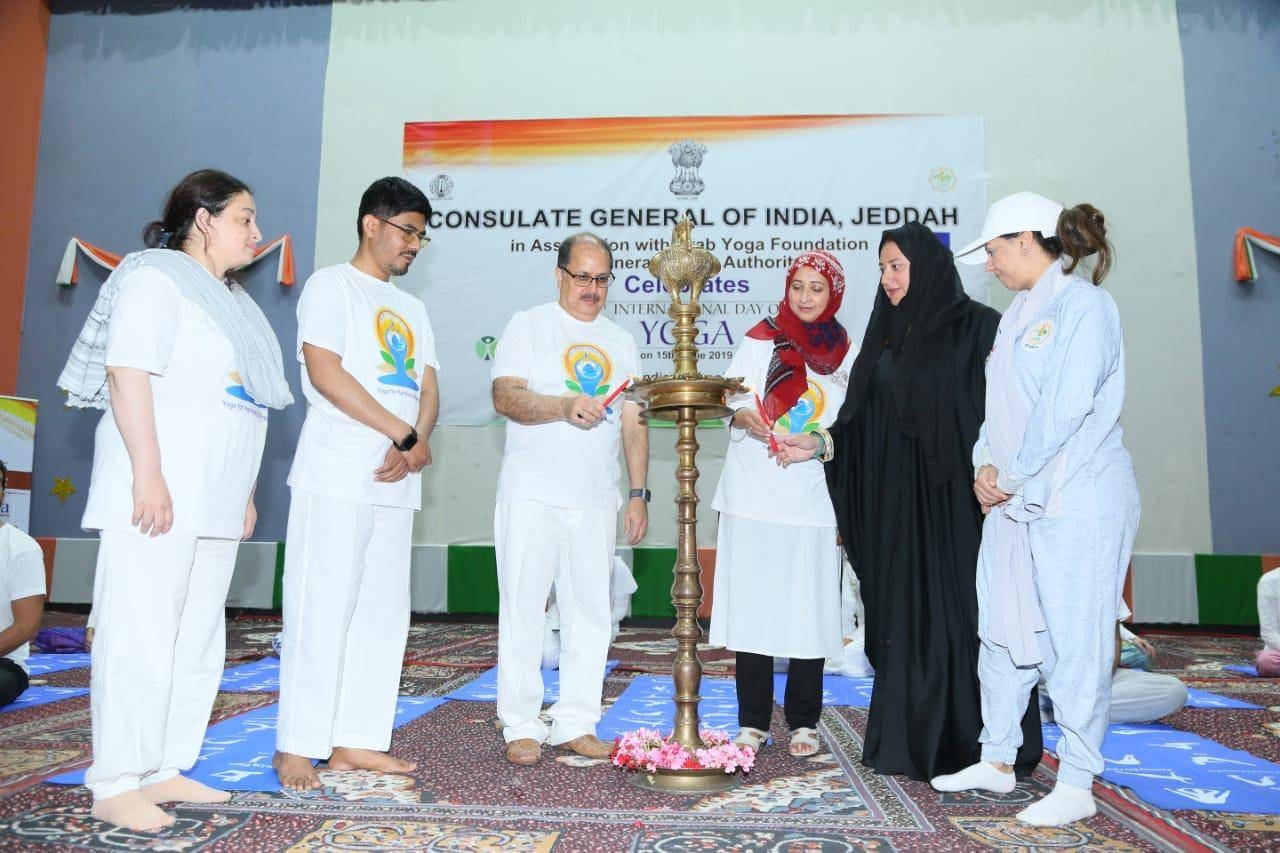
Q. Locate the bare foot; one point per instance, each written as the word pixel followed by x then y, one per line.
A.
pixel 296 773
pixel 132 810
pixel 349 758
pixel 180 789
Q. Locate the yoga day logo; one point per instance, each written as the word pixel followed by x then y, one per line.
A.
pixel 236 389
pixel 805 414
pixel 395 341
pixel 588 369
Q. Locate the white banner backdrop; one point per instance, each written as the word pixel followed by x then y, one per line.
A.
pixel 759 189
pixel 17 450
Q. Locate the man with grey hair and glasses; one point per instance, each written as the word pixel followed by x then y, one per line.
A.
pixel 556 516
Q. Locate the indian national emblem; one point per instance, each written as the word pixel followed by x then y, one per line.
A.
pixel 687 157
pixel 441 186
pixel 942 179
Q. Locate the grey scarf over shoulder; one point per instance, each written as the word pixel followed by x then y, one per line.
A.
pixel 237 316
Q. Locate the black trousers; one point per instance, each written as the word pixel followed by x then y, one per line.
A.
pixel 803 700
pixel 13 681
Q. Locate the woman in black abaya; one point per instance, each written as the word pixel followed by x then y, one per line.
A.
pixel 898 464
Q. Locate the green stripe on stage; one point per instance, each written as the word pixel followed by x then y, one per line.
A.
pixel 652 569
pixel 473 579
pixel 277 589
pixel 1227 588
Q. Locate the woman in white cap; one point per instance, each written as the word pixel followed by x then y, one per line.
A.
pixel 1060 495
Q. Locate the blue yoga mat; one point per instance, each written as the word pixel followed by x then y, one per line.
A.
pixel 236 755
pixel 647 704
pixel 837 690
pixel 1174 769
pixel 485 687
pixel 1243 668
pixel 38 665
pixel 42 694
pixel 1197 698
pixel 260 676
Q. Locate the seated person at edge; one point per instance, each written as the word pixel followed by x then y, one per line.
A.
pixel 21 600
pixel 1267 660
pixel 1136 696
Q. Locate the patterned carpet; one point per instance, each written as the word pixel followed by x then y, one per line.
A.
pixel 464 796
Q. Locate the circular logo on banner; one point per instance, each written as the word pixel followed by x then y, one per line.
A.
pixel 942 179
pixel 441 186
pixel 487 348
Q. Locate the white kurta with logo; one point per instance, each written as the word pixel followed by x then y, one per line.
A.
pixel 556 519
pixel 777 578
pixel 158 602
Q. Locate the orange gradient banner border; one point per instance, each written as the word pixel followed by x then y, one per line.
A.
pixel 512 141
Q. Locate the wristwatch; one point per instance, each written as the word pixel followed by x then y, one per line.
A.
pixel 643 494
pixel 406 444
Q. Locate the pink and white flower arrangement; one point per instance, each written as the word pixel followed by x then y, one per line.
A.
pixel 650 750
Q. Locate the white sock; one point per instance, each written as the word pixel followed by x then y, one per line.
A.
pixel 982 776
pixel 1065 804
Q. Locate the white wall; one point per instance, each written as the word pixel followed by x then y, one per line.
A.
pixel 1082 102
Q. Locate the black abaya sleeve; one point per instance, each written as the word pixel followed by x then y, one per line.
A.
pixel 840 473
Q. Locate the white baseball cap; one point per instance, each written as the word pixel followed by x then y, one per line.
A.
pixel 1013 214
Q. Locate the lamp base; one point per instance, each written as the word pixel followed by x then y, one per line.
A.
pixel 686 781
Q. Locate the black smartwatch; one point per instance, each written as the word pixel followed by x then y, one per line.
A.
pixel 643 494
pixel 406 444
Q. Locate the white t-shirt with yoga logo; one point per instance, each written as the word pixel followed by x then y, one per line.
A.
pixel 751 484
pixel 21 576
pixel 384 338
pixel 556 463
pixel 211 432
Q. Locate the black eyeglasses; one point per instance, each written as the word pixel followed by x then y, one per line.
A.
pixel 582 279
pixel 420 236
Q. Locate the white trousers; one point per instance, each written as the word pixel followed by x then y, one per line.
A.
pixel 346 622
pixel 538 545
pixel 158 654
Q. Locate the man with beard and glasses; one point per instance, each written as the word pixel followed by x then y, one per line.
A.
pixel 369 376
pixel 556 516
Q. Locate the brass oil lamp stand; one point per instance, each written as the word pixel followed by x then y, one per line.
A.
pixel 686 397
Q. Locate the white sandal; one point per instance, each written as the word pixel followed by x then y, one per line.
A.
pixel 754 738
pixel 804 743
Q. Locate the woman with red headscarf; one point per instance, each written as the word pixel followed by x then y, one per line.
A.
pixel 898 465
pixel 777 580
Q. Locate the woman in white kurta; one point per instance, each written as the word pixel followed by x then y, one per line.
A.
pixel 1060 495
pixel 186 365
pixel 777 580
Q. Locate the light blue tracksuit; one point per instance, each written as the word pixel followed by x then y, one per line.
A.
pixel 1067 375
